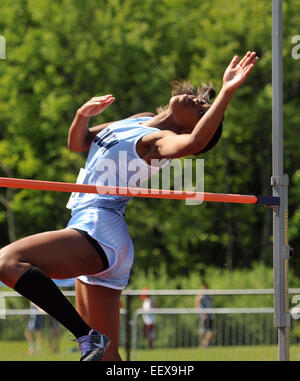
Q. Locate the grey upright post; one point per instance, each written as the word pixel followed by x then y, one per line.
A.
pixel 279 183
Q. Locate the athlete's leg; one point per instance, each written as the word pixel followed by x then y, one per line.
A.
pixel 59 254
pixel 27 264
pixel 100 308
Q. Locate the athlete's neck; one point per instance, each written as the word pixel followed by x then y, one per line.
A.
pixel 164 121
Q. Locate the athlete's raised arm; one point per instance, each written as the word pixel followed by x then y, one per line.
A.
pixel 233 78
pixel 195 132
pixel 80 136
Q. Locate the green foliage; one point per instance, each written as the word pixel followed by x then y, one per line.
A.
pixel 60 53
pixel 258 276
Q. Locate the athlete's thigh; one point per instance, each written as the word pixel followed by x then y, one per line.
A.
pixel 60 254
pixel 100 308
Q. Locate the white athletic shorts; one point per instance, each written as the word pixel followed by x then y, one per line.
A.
pixel 109 229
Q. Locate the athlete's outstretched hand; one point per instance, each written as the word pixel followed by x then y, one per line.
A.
pixel 237 72
pixel 96 105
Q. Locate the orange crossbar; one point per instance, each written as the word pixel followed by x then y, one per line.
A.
pixel 124 191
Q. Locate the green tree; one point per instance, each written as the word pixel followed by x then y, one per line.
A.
pixel 60 53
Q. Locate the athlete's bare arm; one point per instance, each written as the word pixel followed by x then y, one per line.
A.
pixel 80 135
pixel 167 144
pixel 79 138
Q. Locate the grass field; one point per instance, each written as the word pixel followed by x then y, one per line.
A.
pixel 242 353
pixel 17 351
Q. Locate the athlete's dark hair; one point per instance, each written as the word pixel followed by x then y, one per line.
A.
pixel 206 93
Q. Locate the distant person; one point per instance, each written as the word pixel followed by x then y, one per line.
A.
pixel 148 319
pixel 206 320
pixel 55 333
pixel 33 331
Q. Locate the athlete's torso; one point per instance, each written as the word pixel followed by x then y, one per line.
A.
pixel 113 161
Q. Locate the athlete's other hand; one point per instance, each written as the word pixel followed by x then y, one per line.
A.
pixel 237 72
pixel 96 105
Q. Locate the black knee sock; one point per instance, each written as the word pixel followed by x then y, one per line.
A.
pixel 42 291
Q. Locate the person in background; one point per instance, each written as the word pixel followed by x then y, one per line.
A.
pixel 148 319
pixel 55 333
pixel 33 331
pixel 206 320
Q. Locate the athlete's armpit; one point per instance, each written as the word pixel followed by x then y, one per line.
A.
pixel 165 145
pixel 174 146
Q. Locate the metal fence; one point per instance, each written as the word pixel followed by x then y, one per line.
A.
pixel 238 334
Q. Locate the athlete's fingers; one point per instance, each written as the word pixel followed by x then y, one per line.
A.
pixel 99 102
pixel 244 58
pixel 234 62
pixel 96 107
pixel 248 60
pixel 107 102
pixel 102 97
pixel 248 70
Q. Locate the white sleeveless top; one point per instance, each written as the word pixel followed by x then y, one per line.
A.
pixel 113 161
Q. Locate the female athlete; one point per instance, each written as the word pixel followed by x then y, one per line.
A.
pixel 95 246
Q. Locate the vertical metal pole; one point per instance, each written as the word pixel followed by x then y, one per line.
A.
pixel 134 328
pixel 280 189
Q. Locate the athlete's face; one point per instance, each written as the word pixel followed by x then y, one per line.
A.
pixel 187 110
